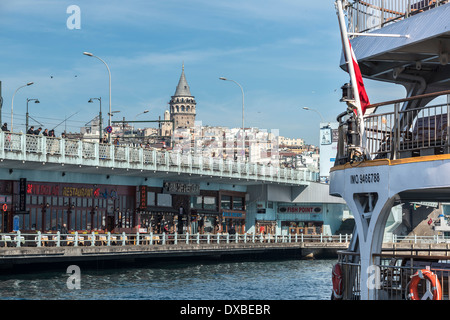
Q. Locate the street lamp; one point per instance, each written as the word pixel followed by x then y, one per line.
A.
pixel 12 102
pixel 243 136
pixel 26 117
pixel 109 73
pixel 145 111
pixel 306 108
pixel 99 117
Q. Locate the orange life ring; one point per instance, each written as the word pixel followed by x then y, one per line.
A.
pixel 429 276
pixel 338 284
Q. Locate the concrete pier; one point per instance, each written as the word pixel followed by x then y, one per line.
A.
pixel 27 259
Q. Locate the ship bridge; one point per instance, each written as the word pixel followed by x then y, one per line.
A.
pixel 402 41
pixel 398 151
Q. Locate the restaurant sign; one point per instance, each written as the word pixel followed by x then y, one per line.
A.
pixel 181 188
pixel 299 209
pixel 66 191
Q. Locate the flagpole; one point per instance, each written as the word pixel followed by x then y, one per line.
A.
pixel 351 69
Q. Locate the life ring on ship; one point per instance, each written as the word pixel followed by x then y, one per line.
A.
pixel 436 288
pixel 338 283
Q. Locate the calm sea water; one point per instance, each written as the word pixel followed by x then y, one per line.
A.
pixel 262 280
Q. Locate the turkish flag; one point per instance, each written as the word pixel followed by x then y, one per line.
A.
pixel 363 98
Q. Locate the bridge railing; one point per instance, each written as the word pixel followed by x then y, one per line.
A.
pixel 58 239
pixel 23 147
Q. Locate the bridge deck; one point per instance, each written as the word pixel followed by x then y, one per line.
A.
pixel 32 152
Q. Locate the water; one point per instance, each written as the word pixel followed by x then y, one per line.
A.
pixel 261 280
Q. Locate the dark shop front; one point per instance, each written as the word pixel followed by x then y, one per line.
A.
pixel 184 208
pixel 46 207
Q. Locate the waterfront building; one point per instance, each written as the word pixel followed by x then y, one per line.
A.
pixel 91 130
pixel 166 127
pixel 290 142
pixel 286 210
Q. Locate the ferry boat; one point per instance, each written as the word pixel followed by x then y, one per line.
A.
pixel 392 152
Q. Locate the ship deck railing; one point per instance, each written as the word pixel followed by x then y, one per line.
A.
pixel 398 133
pixel 391 276
pixel 38 148
pixel 57 239
pixel 368 15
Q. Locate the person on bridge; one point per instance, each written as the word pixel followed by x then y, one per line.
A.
pixel 64 233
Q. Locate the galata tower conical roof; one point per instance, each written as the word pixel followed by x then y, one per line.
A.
pixel 183 87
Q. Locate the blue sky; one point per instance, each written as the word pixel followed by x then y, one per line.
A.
pixel 284 53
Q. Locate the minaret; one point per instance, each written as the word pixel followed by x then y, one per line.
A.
pixel 182 105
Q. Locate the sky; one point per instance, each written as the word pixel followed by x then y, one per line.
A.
pixel 285 54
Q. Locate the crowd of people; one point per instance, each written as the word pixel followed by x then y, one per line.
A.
pixel 38 131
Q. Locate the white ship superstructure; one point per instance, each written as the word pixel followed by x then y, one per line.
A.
pixel 397 151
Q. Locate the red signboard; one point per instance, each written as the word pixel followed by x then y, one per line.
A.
pixel 143 197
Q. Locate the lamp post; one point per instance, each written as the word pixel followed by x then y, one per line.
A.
pixel 306 108
pixel 145 111
pixel 12 102
pixel 243 135
pixel 109 73
pixel 26 116
pixel 99 117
